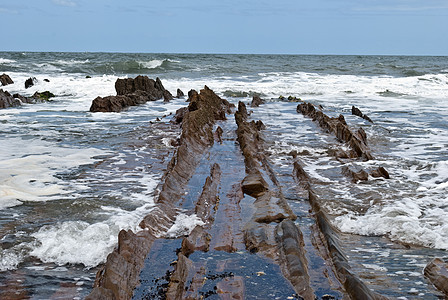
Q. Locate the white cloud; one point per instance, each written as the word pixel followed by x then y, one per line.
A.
pixel 68 3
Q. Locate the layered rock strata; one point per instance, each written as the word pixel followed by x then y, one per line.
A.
pixel 131 92
pixel 338 127
pixel 120 274
pixel 271 230
pixel 437 272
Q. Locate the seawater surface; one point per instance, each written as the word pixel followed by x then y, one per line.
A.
pixel 71 179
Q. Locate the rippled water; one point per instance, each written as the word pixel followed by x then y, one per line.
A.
pixel 71 179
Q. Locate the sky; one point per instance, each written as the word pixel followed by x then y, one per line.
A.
pixel 371 27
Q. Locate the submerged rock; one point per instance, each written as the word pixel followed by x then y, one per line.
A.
pixel 5 79
pixel 44 96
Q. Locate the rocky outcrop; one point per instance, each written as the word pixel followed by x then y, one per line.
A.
pixel 180 94
pixel 256 101
pixel 30 82
pixel 120 275
pixel 131 92
pixel 380 172
pixel 437 272
pixel 5 79
pixel 8 100
pixel 338 127
pixel 357 112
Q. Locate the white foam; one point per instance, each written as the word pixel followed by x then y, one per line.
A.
pixel 6 61
pixel 152 64
pixel 183 225
pixel 29 167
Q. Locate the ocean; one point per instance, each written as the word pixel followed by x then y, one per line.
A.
pixel 70 179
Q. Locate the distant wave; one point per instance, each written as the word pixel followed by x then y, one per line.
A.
pixel 6 61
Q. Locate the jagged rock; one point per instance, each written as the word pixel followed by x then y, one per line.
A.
pixel 198 240
pixel 231 288
pixel 355 176
pixel 7 100
pixel 256 101
pixel 208 201
pixel 111 104
pixel 120 274
pixel 30 82
pixel 437 272
pixel 380 172
pixel 338 127
pixel 191 94
pixel 179 116
pixel 5 79
pixel 47 80
pixel 357 112
pixel 180 94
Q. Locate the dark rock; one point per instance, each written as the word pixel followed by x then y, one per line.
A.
pixel 88 77
pixel 218 134
pixel 167 96
pixel 30 82
pixel 180 94
pixel 110 104
pixel 44 96
pixel 7 100
pixel 437 272
pixel 191 94
pixel 357 112
pixel 338 127
pixel 5 79
pixel 256 101
pixel 46 80
pixel 380 172
pixel 179 116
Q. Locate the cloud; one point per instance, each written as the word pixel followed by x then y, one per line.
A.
pixel 68 3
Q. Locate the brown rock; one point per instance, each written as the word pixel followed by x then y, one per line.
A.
pixel 254 185
pixel 380 172
pixel 437 272
pixel 231 288
pixel 355 176
pixel 7 100
pixel 180 94
pixel 5 79
pixel 292 258
pixel 357 112
pixel 256 101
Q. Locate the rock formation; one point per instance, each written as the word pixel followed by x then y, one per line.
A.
pixel 30 82
pixel 437 272
pixel 256 101
pixel 8 100
pixel 5 79
pixel 131 92
pixel 357 112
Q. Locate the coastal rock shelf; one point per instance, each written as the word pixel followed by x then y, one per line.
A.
pixel 228 219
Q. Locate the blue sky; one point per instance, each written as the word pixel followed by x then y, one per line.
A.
pixel 408 27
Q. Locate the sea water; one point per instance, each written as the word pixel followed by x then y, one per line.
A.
pixel 70 180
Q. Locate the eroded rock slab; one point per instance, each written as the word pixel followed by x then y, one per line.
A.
pixel 437 272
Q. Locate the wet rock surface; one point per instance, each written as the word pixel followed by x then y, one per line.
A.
pixel 8 100
pixel 249 218
pixel 437 272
